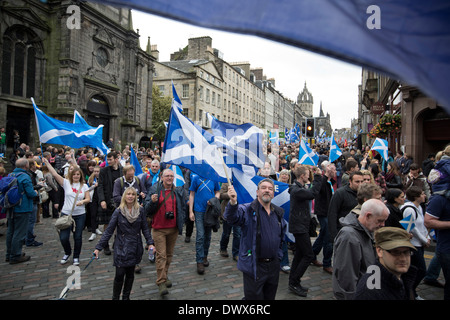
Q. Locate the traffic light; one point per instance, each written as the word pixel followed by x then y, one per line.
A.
pixel 310 128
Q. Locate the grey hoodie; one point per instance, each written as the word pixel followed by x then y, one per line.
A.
pixel 354 252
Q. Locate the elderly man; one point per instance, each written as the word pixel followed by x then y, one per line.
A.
pixel 165 204
pixel 353 247
pixel 18 218
pixel 262 233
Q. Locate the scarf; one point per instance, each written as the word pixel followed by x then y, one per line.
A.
pixel 130 215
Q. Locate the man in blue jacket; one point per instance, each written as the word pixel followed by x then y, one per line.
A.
pixel 18 218
pixel 262 233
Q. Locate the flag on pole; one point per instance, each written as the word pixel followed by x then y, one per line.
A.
pixel 186 144
pixel 74 135
pixel 242 144
pixel 78 119
pixel 176 100
pixel 135 162
pixel 381 146
pixel 306 155
pixel 245 182
pixel 335 151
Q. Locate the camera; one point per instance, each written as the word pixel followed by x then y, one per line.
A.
pixel 169 215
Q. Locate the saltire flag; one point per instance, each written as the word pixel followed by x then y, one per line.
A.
pixel 306 155
pixel 176 100
pixel 135 162
pixel 178 176
pixel 55 131
pixel 381 146
pixel 186 144
pixel 297 129
pixel 408 223
pixel 335 151
pixel 242 144
pixel 293 136
pixel 77 118
pixel 245 182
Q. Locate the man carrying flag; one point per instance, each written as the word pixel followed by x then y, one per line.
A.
pixel 262 233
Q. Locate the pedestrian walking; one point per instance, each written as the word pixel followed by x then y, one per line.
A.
pixel 76 197
pixel 342 202
pixel 165 204
pixel 106 179
pixel 396 275
pixel 299 222
pixel 130 223
pixel 227 229
pixel 262 233
pixel 200 191
pixel 353 250
pixel 18 216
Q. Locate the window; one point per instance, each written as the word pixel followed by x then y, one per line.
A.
pixel 20 62
pixel 102 57
pixel 185 91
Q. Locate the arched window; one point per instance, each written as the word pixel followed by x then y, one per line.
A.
pixel 20 47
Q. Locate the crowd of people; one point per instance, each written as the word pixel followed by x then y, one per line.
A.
pixel 352 207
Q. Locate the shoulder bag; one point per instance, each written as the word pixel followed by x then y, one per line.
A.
pixel 66 220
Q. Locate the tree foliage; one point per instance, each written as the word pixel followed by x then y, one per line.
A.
pixel 160 113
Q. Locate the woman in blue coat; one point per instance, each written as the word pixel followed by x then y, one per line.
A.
pixel 129 219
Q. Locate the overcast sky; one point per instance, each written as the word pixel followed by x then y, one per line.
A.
pixel 331 81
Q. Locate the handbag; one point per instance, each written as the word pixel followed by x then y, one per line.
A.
pixel 43 196
pixel 66 220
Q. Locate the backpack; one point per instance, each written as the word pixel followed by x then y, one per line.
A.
pixel 9 192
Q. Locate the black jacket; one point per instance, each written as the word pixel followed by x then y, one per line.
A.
pixel 323 198
pixel 212 214
pixel 105 187
pixel 342 202
pixel 299 212
pixel 391 288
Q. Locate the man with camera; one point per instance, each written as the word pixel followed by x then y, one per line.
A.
pixel 165 205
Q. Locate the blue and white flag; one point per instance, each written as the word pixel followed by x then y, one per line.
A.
pixel 293 136
pixel 306 155
pixel 381 146
pixel 135 162
pixel 178 176
pixel 246 183
pixel 408 223
pixel 55 131
pixel 274 136
pixel 186 144
pixel 176 100
pixel 78 119
pixel 242 144
pixel 335 151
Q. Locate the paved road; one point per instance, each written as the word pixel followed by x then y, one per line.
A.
pixel 43 277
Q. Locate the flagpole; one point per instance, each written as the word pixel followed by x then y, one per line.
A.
pixel 37 126
pixel 224 166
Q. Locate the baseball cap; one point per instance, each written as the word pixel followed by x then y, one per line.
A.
pixel 389 238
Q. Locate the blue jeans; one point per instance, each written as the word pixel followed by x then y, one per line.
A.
pixel 203 237
pixel 64 236
pixel 16 234
pixel 444 260
pixel 323 241
pixel 227 228
pixel 31 223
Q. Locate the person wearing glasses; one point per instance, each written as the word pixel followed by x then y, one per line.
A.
pixel 353 247
pixel 392 276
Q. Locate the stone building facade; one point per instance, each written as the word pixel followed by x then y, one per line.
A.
pixel 74 56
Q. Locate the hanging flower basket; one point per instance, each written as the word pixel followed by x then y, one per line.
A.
pixel 388 124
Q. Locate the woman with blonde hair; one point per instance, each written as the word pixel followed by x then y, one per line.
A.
pixel 130 221
pixel 76 196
